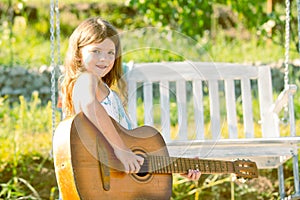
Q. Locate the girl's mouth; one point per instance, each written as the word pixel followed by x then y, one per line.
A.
pixel 101 66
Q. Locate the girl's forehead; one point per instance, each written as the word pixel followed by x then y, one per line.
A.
pixel 106 43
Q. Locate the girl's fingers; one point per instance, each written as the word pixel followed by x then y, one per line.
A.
pixel 126 168
pixel 140 159
pixel 194 174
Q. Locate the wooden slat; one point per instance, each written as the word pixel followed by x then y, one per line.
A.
pixel 148 103
pixel 198 109
pixel 182 109
pixel 247 108
pixel 214 109
pixel 270 152
pixel 165 110
pixel 173 71
pixel 268 118
pixel 231 108
pixel 132 90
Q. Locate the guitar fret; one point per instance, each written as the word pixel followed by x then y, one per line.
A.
pixel 229 166
pixel 224 167
pixel 169 165
pixel 164 164
pixel 207 168
pixel 180 169
pixel 213 167
pixel 196 165
pixel 201 165
pixel 160 165
pixel 172 165
pixel 152 164
pixel 218 169
pixel 156 164
pixel 183 169
pixel 189 164
pixel 186 165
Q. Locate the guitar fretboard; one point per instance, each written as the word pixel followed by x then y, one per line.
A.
pixel 168 165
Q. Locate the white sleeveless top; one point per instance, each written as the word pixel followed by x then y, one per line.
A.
pixel 113 106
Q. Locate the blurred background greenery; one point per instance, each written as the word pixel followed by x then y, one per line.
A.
pixel 215 30
pixel 230 31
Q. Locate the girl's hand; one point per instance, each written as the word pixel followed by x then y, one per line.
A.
pixel 132 163
pixel 193 175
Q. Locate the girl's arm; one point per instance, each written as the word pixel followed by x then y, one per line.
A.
pixel 85 100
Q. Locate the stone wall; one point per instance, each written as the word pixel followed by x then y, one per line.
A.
pixel 18 81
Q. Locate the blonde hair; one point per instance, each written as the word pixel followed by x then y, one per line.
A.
pixel 92 30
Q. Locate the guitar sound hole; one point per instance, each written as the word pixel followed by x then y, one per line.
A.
pixel 144 169
pixel 143 175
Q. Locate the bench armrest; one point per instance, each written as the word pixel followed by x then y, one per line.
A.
pixel 283 97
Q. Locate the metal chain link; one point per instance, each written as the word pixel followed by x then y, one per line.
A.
pixel 298 11
pixel 287 45
pixel 54 14
pixel 57 34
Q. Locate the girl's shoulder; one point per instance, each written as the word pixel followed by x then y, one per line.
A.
pixel 87 76
pixel 84 89
pixel 86 79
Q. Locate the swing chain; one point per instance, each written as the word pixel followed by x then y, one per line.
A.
pixel 287 45
pixel 58 34
pixel 54 12
pixel 285 118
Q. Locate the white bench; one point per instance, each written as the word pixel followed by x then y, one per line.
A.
pixel 189 86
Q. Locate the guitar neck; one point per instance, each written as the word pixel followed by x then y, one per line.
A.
pixel 169 165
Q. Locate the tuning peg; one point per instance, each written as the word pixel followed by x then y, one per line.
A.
pixel 233 177
pixel 242 180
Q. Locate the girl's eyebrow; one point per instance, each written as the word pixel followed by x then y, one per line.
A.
pixel 99 48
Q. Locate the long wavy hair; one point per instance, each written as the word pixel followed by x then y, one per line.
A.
pixel 92 30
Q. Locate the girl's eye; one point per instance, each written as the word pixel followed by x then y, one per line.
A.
pixel 111 53
pixel 96 51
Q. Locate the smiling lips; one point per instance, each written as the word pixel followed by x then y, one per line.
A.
pixel 101 66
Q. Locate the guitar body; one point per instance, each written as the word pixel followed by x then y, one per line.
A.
pixel 86 167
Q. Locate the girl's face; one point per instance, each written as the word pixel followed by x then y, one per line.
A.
pixel 98 58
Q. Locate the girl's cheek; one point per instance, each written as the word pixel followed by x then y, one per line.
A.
pixel 87 59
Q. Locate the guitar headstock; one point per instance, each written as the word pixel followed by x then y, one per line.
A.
pixel 245 169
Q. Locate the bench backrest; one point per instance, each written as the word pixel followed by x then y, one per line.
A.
pixel 191 90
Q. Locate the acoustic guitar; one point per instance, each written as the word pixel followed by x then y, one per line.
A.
pixel 86 167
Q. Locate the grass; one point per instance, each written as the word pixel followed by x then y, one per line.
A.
pixel 26 168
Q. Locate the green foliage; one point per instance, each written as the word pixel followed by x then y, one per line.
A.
pixel 13 189
pixel 179 15
pixel 251 13
pixel 171 39
pixel 20 123
pixel 220 186
pixel 25 131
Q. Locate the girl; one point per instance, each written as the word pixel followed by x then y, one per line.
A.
pixel 92 66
